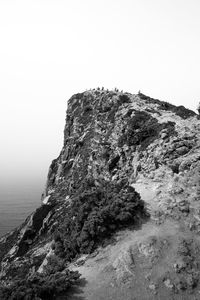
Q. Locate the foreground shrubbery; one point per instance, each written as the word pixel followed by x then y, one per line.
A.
pixel 54 280
pixel 97 210
pixel 95 213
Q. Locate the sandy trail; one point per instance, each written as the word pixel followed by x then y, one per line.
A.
pixel 119 271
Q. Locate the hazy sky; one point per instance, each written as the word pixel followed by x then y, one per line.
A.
pixel 50 49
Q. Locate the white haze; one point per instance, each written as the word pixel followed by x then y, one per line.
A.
pixel 51 49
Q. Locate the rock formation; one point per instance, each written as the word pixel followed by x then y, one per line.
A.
pixel 125 192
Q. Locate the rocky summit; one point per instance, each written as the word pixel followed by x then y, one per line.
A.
pixel 120 213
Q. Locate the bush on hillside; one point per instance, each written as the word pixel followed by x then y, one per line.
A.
pixel 124 99
pixel 142 129
pixel 181 111
pixel 95 213
pixel 45 286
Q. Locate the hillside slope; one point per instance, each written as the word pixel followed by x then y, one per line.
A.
pixel 121 203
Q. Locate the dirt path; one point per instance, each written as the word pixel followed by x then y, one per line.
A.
pixel 139 264
pixel 148 194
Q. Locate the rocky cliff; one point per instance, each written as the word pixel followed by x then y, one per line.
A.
pixel 121 202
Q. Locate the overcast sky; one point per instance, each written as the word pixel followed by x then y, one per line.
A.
pixel 51 49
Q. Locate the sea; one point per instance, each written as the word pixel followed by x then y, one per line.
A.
pixel 17 202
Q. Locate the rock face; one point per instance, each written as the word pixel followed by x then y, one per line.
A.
pixel 154 145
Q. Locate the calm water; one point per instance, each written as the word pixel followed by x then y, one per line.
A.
pixel 17 202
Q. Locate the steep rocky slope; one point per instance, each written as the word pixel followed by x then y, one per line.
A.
pixel 138 146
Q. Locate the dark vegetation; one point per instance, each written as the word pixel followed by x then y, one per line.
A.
pixel 142 129
pixel 124 99
pixel 55 280
pixel 181 111
pixel 95 213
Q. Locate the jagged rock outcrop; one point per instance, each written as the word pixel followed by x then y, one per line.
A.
pixel 113 136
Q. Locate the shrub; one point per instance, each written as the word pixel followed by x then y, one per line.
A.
pixel 124 99
pixel 142 129
pixel 54 265
pixel 45 286
pixel 181 111
pixel 95 213
pixel 59 248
